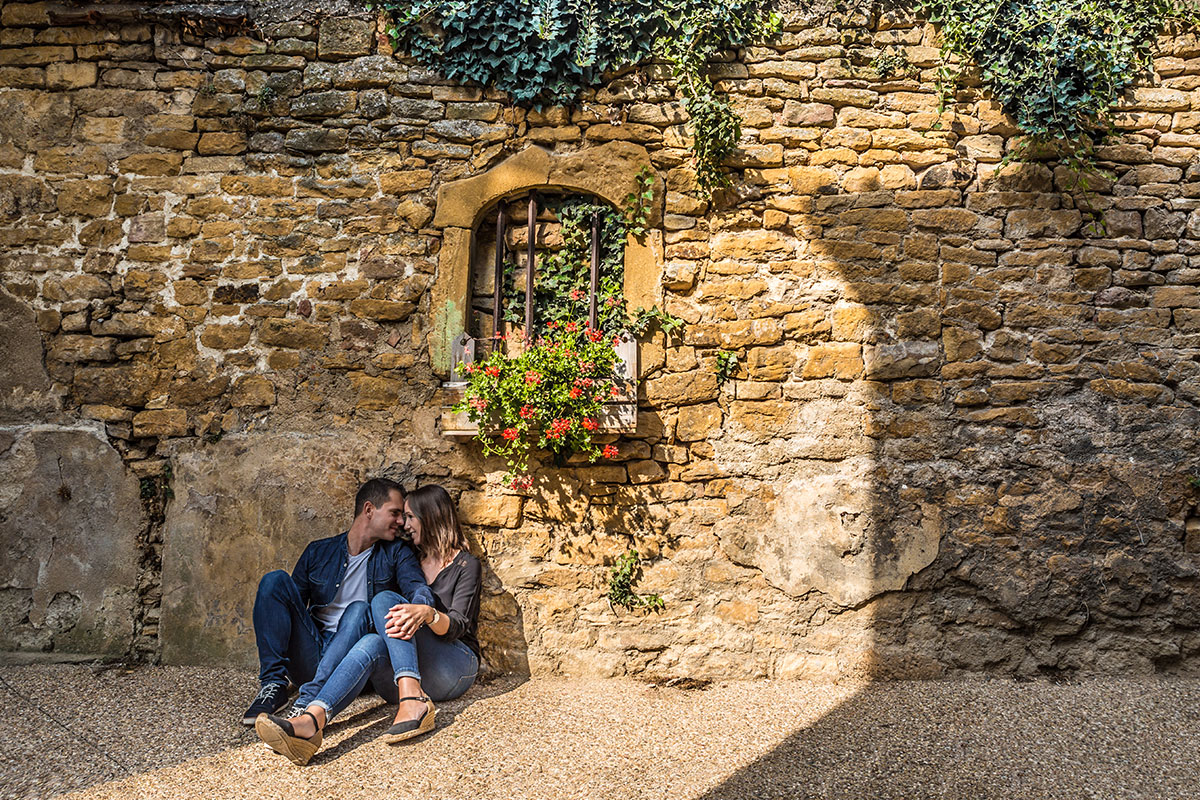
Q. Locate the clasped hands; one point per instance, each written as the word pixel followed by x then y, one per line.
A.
pixel 404 619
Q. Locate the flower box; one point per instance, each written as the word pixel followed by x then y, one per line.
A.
pixel 619 416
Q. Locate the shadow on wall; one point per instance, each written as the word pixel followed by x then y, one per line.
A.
pixel 979 424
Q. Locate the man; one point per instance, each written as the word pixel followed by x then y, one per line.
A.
pixel 304 623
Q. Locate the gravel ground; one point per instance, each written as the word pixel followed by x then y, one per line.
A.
pixel 173 732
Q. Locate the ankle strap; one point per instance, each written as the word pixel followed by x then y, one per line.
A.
pixel 422 699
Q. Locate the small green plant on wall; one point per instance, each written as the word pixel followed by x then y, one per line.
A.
pixel 624 573
pixel 726 366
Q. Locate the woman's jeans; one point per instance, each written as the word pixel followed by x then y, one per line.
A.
pixel 445 669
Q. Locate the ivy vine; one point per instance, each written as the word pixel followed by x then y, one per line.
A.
pixel 1056 66
pixel 545 52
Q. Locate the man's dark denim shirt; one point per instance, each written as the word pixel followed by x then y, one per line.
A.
pixel 322 568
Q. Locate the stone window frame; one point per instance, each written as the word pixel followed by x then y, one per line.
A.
pixel 608 171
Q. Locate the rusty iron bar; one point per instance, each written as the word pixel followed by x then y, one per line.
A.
pixel 593 293
pixel 529 265
pixel 498 279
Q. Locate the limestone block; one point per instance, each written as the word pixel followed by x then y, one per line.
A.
pixel 72 348
pixel 342 37
pixel 292 333
pixel 375 393
pixel 85 198
pixel 841 360
pixel 832 530
pixel 252 391
pixel 323 104
pixel 244 506
pixel 683 388
pixel 25 390
pixel 912 359
pixel 70 517
pixel 162 422
pixel 71 75
pixel 316 140
pixel 480 508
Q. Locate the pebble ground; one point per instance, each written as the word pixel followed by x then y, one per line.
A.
pixel 173 732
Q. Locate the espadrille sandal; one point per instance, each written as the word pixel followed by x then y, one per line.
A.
pixel 280 736
pixel 402 731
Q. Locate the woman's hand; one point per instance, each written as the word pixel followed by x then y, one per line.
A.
pixel 404 619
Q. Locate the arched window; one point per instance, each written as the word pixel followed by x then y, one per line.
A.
pixel 487 253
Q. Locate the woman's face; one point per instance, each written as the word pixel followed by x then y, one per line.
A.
pixel 412 524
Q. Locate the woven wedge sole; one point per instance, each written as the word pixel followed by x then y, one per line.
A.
pixel 427 722
pixel 299 751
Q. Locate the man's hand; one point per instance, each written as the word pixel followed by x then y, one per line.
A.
pixel 405 619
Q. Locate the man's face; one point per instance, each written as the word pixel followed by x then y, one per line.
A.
pixel 387 521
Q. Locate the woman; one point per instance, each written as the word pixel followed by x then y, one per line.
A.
pixel 426 653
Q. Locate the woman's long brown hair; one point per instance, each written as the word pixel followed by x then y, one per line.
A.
pixel 440 532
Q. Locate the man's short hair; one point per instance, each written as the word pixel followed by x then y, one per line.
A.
pixel 376 491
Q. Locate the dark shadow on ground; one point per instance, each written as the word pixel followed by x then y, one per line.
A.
pixel 384 713
pixel 988 739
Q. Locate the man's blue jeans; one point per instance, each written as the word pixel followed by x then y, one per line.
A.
pixel 445 669
pixel 290 645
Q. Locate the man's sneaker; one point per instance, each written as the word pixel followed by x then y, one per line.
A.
pixel 271 697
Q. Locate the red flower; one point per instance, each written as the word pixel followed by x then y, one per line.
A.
pixel 479 403
pixel 510 434
pixel 590 424
pixel 576 294
pixel 613 391
pixel 616 341
pixel 594 335
pixel 493 371
pixel 526 412
pixel 557 428
pixel 610 451
pixel 575 393
pixel 521 483
pixel 610 302
pixel 533 377
pixel 468 368
pixel 571 327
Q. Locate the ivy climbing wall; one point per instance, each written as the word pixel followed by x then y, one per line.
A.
pixel 959 434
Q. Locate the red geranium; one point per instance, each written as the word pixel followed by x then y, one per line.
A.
pixel 526 412
pixel 590 424
pixel 510 434
pixel 610 451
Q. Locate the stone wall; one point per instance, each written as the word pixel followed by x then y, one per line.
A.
pixel 960 438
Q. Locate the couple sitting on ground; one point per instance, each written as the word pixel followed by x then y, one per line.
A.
pixel 362 606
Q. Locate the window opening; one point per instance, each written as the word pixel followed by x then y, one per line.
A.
pixel 554 259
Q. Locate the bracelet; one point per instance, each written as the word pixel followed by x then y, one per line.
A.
pixel 436 617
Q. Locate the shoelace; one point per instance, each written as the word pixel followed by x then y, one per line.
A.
pixel 267 692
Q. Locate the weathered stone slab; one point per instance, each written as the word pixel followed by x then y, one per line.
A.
pixel 831 530
pixel 24 384
pixel 244 506
pixel 70 515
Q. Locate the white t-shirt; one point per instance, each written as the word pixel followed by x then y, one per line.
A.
pixel 354 587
